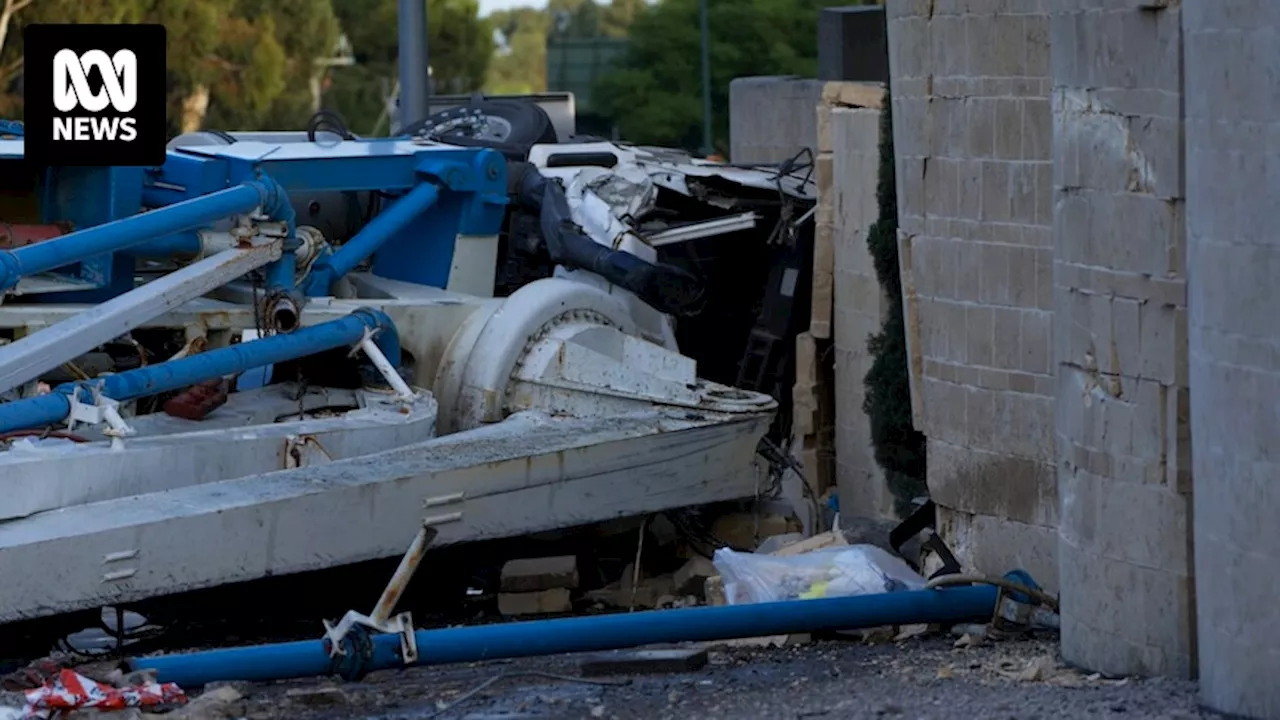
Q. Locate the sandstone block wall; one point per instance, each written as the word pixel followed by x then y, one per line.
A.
pixel 772 118
pixel 1233 176
pixel 973 139
pixel 854 137
pixel 1123 423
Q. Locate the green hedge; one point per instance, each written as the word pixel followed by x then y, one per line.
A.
pixel 899 447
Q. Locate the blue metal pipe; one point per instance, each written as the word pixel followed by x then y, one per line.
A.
pixel 281 273
pixel 177 374
pixel 371 237
pixel 185 244
pixel 156 197
pixel 580 634
pixel 122 234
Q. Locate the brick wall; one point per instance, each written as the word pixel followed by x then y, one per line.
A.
pixel 1124 455
pixel 973 138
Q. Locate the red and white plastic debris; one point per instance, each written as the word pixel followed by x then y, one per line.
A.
pixel 69 690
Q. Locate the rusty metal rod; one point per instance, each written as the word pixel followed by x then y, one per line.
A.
pixel 403 574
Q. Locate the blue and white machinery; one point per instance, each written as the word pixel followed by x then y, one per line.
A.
pixel 370 381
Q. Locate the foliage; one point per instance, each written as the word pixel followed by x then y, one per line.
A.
pixel 520 64
pixel 250 58
pixel 899 447
pixel 459 41
pixel 250 64
pixel 655 95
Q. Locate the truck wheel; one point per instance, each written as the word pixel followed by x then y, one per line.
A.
pixel 502 124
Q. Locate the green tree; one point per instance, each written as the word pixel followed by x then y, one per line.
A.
pixel 655 94
pixel 38 11
pixel 899 448
pixel 520 62
pixel 617 16
pixel 270 49
pixel 233 64
pixel 575 18
pixel 519 66
pixel 460 43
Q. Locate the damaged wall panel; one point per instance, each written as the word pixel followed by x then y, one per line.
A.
pixel 1120 332
pixel 972 135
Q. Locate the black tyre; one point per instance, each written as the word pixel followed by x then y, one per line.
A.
pixel 510 126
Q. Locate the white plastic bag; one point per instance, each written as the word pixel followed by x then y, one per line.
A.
pixel 830 572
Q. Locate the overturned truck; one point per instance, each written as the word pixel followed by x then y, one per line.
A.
pixel 286 352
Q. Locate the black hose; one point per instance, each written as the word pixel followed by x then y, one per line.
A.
pixel 328 120
pixel 222 135
pixel 670 289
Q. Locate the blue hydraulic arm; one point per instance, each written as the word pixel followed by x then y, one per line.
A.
pixel 121 234
pixel 373 236
pixel 177 374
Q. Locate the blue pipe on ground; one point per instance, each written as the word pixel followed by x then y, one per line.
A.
pixel 310 658
pixel 124 233
pixel 371 237
pixel 177 374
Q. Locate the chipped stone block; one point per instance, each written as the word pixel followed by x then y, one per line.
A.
pixel 545 573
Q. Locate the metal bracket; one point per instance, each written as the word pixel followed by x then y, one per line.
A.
pixel 102 410
pixel 295 451
pixel 371 350
pixel 380 619
pixel 1015 612
pixel 401 625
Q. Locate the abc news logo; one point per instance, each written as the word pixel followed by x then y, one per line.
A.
pixel 71 91
pixel 94 95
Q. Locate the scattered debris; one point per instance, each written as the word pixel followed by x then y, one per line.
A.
pixel 35 674
pixel 70 690
pixel 555 600
pixel 713 591
pixel 324 696
pixel 772 545
pixel 649 593
pixel 879 635
pixel 817 542
pixel 544 573
pixel 969 629
pixel 747 529
pixel 691 579
pixel 12 705
pixel 215 703
pixel 634 662
pixel 1039 668
pixel 829 572
pixel 779 641
pixel 906 632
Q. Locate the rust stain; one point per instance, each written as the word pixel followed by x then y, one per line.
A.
pixel 16 236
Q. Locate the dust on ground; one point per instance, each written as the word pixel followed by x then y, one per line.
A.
pixel 920 678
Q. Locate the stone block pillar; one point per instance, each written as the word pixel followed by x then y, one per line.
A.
pixel 1123 423
pixel 1233 178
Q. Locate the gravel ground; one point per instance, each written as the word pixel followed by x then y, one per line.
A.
pixel 917 678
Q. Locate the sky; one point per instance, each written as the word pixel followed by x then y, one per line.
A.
pixel 488 6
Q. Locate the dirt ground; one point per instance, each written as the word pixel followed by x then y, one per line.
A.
pixel 916 678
